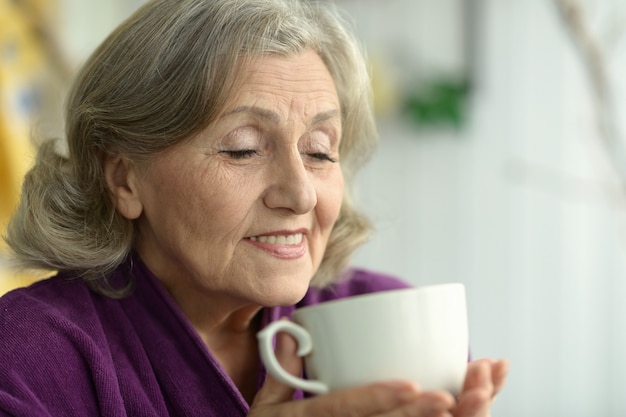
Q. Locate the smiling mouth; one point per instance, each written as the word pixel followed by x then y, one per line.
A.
pixel 294 239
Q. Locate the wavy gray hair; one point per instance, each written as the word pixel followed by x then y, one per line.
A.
pixel 159 78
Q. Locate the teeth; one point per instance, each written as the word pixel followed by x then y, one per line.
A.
pixel 279 240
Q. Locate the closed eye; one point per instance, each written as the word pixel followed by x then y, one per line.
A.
pixel 322 156
pixel 240 154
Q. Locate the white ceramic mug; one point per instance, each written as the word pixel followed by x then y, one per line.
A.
pixel 418 334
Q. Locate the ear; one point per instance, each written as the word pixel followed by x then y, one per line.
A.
pixel 120 178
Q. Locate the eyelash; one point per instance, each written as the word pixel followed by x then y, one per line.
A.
pixel 243 154
pixel 247 153
pixel 322 157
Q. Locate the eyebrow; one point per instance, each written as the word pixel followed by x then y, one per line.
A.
pixel 257 111
pixel 275 117
pixel 323 116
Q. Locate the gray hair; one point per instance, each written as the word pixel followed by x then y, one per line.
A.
pixel 159 78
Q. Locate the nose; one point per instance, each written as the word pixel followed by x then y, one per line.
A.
pixel 291 186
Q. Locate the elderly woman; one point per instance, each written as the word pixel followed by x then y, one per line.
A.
pixel 204 193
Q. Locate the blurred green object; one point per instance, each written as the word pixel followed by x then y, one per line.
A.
pixel 438 103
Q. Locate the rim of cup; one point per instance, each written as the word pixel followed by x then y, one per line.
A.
pixel 382 294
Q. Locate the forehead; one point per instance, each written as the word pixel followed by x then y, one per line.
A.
pixel 296 83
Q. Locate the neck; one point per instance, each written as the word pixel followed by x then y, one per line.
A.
pixel 233 343
pixel 228 327
pixel 241 321
pixel 216 315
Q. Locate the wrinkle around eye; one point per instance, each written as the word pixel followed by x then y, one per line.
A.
pixel 322 157
pixel 241 138
pixel 319 142
pixel 240 154
pixel 329 137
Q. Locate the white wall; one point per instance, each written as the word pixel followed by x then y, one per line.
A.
pixel 85 23
pixel 521 206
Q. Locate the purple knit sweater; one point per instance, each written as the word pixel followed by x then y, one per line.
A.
pixel 67 351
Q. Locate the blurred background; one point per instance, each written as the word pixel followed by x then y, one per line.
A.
pixel 501 165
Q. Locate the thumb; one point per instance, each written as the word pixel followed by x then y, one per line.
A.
pixel 274 392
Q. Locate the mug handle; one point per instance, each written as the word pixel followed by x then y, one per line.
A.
pixel 305 346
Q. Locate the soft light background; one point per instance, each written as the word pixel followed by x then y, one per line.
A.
pixel 521 204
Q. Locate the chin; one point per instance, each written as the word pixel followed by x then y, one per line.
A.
pixel 285 294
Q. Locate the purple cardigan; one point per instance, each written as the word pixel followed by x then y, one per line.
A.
pixel 67 351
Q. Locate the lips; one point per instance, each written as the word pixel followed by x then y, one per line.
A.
pixel 287 246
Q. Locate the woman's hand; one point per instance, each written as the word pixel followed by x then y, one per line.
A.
pixel 390 399
pixel 396 399
pixel 484 379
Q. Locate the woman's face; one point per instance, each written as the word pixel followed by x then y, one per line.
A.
pixel 246 207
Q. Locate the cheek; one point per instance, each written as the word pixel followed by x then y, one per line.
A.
pixel 220 207
pixel 178 200
pixel 330 197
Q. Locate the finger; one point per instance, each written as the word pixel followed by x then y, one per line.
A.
pixel 390 399
pixel 473 403
pixel 499 372
pixel 475 399
pixel 428 404
pixel 478 375
pixel 274 392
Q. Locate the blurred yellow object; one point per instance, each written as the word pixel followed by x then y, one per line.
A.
pixel 386 97
pixel 9 280
pixel 23 66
